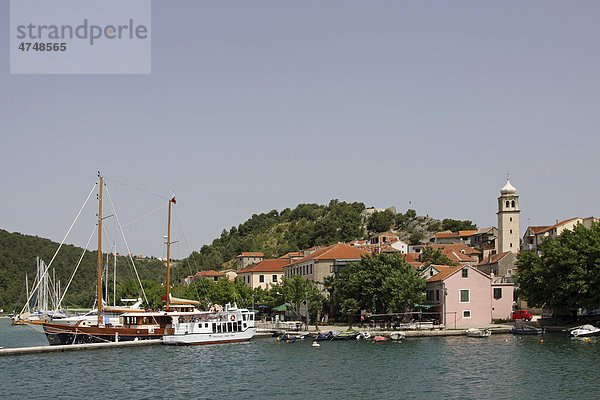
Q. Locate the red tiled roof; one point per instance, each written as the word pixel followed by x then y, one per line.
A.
pixel 339 251
pixel 538 229
pixel 556 225
pixel 251 254
pixel 447 235
pixel 415 264
pixel 467 233
pixel 443 274
pixel 412 257
pixel 494 258
pixel 269 265
pixel 209 273
pixel 293 254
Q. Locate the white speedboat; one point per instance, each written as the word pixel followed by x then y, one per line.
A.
pixel 233 324
pixel 476 332
pixel 585 330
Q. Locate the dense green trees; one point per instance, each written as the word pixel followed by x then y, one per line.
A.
pixel 381 221
pixel 456 225
pixel 384 282
pixel 567 275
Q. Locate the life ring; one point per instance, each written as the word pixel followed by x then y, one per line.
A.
pixel 233 318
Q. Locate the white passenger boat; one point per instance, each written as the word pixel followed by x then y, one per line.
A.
pixel 233 324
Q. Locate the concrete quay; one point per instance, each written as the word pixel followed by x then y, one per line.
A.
pixel 76 347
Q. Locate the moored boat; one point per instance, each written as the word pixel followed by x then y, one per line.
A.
pixel 523 329
pixel 476 332
pixel 203 327
pixel 585 331
pixel 348 335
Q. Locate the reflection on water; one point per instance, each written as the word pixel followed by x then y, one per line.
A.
pixel 501 366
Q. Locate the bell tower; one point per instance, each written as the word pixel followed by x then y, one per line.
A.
pixel 508 220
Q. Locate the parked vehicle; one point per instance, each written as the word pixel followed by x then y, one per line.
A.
pixel 524 315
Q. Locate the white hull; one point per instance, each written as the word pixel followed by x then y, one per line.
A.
pixel 208 338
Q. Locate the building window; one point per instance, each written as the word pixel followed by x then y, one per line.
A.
pixel 437 295
pixel 261 278
pixel 510 219
pixel 511 231
pixel 274 278
pixel 513 203
pixel 464 295
pixel 497 293
pixel 507 203
pixel 311 269
pixel 511 245
pixel 466 313
pixel 465 273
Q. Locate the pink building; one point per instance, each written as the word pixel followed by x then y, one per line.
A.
pixel 466 297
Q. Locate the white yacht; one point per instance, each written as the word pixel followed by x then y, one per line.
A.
pixel 233 324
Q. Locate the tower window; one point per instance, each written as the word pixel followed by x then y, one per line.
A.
pixel 511 231
pixel 513 203
pixel 511 245
pixel 510 219
pixel 507 203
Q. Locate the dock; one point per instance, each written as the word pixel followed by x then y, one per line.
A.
pixel 77 347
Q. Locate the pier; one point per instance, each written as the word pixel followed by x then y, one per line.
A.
pixel 77 347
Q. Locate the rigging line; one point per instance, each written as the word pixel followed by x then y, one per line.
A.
pixel 62 242
pixel 136 188
pixel 179 225
pixel 144 216
pixel 126 245
pixel 76 267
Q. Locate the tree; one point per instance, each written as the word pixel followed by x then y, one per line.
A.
pixel 381 221
pixel 430 256
pixel 387 278
pixel 567 275
pixel 454 225
pixel 295 291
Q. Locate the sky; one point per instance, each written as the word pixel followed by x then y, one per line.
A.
pixel 262 105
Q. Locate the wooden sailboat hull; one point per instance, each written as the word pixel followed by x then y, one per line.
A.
pixel 58 334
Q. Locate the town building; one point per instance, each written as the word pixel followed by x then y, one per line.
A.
pixel 464 297
pixel 248 258
pixel 211 275
pixel 502 264
pixel 264 274
pixel 484 238
pixel 324 262
pixel 508 220
pixel 534 235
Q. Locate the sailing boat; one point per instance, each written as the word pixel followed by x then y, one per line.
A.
pixel 133 325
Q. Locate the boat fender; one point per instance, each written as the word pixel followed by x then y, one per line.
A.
pixel 233 317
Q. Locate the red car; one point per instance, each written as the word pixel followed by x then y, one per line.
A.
pixel 525 315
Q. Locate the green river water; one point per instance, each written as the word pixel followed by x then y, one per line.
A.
pixel 498 367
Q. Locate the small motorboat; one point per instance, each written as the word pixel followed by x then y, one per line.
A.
pixel 290 338
pixel 397 336
pixel 324 336
pixel 523 329
pixel 476 332
pixel 379 339
pixel 585 331
pixel 349 335
pixel 316 344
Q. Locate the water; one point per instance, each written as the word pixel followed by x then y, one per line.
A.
pixel 501 366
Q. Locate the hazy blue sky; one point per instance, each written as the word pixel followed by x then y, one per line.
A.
pixel 254 106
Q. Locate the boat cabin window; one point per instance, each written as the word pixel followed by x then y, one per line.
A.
pixel 229 327
pixel 206 324
pixel 244 317
pixel 251 317
pixel 214 327
pixel 219 328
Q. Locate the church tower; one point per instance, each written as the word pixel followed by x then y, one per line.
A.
pixel 508 219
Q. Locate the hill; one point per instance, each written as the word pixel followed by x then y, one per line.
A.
pixel 278 232
pixel 18 254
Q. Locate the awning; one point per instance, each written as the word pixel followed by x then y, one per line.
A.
pixel 282 307
pixel 427 305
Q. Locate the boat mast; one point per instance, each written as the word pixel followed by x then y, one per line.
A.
pixel 172 200
pixel 115 274
pixel 100 250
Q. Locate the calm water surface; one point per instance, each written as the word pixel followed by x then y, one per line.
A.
pixel 501 366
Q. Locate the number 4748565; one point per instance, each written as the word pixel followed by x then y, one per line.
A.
pixel 24 46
